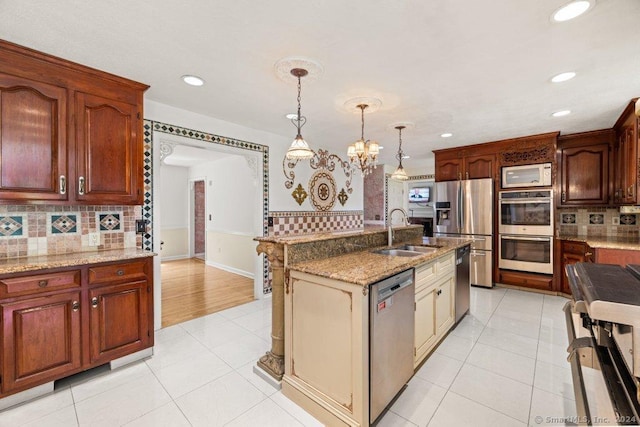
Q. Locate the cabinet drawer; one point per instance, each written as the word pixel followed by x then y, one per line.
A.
pixel 41 283
pixel 446 265
pixel 574 247
pixel 537 281
pixel 425 274
pixel 117 272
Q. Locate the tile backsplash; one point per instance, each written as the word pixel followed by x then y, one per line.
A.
pixel 29 230
pixel 597 222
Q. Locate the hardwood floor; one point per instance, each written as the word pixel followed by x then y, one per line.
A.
pixel 191 289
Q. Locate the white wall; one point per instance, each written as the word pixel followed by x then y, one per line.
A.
pixel 173 200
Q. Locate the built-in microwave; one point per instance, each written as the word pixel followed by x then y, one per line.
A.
pixel 538 175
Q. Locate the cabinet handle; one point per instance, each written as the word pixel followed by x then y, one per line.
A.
pixel 120 272
pixel 564 196
pixel 588 254
pixel 75 306
pixel 81 185
pixel 94 302
pixel 43 283
pixel 459 175
pixel 466 174
pixel 630 191
pixel 63 184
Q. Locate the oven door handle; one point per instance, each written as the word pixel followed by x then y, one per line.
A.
pixel 525 201
pixel 534 239
pixel 575 345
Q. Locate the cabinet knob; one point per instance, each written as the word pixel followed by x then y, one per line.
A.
pixel 564 196
pixel 588 254
pixel 120 272
pixel 63 184
pixel 94 302
pixel 81 186
pixel 466 174
pixel 75 306
pixel 43 283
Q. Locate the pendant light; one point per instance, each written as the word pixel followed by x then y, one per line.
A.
pixel 400 173
pixel 363 154
pixel 299 149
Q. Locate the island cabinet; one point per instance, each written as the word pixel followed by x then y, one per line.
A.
pixel 434 305
pixel 70 134
pixel 327 338
pixel 584 160
pixel 62 321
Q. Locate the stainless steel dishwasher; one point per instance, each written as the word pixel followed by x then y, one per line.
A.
pixel 463 283
pixel 391 339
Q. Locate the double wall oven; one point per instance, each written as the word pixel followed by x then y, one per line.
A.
pixel 526 230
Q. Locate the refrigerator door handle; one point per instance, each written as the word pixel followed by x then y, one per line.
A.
pixel 460 208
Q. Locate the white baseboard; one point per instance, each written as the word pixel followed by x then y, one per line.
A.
pixel 230 269
pixel 174 257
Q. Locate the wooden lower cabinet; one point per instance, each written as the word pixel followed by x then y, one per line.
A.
pixel 570 253
pixel 527 280
pixel 55 323
pixel 616 256
pixel 40 340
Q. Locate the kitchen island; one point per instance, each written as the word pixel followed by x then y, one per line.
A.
pixel 328 338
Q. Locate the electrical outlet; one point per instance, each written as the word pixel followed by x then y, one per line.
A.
pixel 615 220
pixel 94 239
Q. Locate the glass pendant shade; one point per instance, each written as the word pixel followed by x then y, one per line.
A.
pixel 374 148
pixel 299 150
pixel 359 146
pixel 400 174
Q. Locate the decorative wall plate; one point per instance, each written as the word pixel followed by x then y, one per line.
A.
pixel 299 194
pixel 322 189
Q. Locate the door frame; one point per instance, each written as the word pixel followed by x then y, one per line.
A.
pixel 192 216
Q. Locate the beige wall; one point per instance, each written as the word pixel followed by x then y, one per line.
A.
pixel 232 252
pixel 176 243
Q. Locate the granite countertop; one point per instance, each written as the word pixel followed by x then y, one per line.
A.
pixel 292 239
pixel 603 242
pixel 365 267
pixel 32 263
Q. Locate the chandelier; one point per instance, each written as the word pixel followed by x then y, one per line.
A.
pixel 399 173
pixel 299 149
pixel 363 154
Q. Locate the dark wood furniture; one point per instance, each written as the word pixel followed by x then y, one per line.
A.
pixel 621 257
pixel 570 253
pixel 584 160
pixel 70 134
pixel 625 180
pixel 525 279
pixel 62 321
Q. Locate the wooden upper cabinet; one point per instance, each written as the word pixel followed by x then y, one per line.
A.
pixel 469 167
pixel 448 170
pixel 108 153
pixel 69 134
pixel 479 166
pixel 33 140
pixel 584 163
pixel 625 164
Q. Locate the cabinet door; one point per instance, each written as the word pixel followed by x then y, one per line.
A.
pixel 108 151
pixel 479 166
pixel 119 320
pixel 449 170
pixel 585 175
pixel 41 340
pixel 629 166
pixel 444 306
pixel 568 259
pixel 425 329
pixel 33 140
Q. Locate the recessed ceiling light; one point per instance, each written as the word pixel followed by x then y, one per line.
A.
pixel 192 80
pixel 563 77
pixel 561 113
pixel 292 116
pixel 572 10
pixel 446 135
pixel 380 147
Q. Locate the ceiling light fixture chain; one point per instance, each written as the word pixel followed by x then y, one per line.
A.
pixel 363 154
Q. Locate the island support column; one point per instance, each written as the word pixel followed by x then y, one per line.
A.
pixel 273 361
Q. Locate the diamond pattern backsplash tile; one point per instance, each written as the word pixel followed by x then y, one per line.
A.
pixel 64 223
pixel 11 226
pixel 109 221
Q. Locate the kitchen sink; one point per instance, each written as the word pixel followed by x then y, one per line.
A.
pixel 421 249
pixel 397 252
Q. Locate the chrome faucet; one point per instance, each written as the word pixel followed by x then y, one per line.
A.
pixel 390 230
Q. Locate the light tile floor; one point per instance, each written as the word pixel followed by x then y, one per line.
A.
pixel 504 364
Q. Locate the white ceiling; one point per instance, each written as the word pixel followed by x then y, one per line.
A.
pixel 478 69
pixel 187 156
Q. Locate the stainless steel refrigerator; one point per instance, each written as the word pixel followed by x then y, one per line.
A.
pixel 465 209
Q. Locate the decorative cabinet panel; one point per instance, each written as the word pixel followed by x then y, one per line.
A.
pixel 584 164
pixel 57 323
pixel 108 155
pixel 40 340
pixel 625 181
pixel 33 140
pixel 471 167
pixel 69 134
